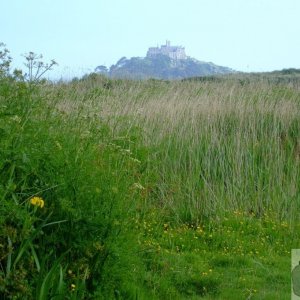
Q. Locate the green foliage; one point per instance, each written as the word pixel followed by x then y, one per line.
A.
pixel 5 61
pixel 84 188
pixel 161 67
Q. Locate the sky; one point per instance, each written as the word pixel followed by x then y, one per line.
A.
pixel 246 35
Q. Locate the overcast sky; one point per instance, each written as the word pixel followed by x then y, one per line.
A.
pixel 246 35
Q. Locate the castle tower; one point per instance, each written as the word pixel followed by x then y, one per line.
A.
pixel 174 52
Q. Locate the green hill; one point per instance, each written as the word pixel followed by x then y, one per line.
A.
pixel 161 67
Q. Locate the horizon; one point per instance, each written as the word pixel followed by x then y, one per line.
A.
pixel 249 37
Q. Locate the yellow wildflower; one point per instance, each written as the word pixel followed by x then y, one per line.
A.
pixel 37 201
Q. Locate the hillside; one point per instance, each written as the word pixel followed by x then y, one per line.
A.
pixel 161 67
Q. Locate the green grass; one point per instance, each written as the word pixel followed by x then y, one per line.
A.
pixel 235 258
pixel 152 190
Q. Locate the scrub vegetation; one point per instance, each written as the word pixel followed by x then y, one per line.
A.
pixel 118 189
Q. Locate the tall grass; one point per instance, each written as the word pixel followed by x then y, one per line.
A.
pixel 217 146
pixel 127 168
pixel 86 183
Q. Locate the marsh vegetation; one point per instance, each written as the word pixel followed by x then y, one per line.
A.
pixel 117 189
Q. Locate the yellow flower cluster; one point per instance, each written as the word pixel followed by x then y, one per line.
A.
pixel 37 201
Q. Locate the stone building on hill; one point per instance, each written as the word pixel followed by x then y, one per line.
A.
pixel 174 52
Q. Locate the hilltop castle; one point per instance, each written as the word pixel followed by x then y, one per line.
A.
pixel 174 52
